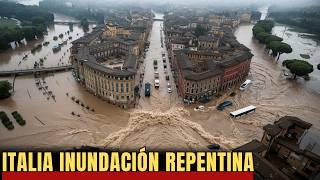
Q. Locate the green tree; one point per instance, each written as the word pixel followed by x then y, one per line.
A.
pixel 283 48
pixel 5 88
pixel 70 26
pixel 200 31
pixel 272 38
pixel 38 21
pixel 256 30
pixel 298 67
pixel 273 45
pixel 262 36
pixel 279 48
pixel 264 26
pixel 84 23
pixel 267 25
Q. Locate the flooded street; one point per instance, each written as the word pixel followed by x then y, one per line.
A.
pixel 160 99
pixel 160 121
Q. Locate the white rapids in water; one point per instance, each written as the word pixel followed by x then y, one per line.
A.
pixel 163 131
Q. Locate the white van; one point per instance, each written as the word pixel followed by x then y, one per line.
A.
pixel 169 88
pixel 245 85
pixel 157 83
pixel 156 75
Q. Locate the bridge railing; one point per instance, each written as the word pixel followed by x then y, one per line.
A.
pixel 37 69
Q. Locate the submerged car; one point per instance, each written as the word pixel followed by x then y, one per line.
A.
pixel 213 146
pixel 156 83
pixel 223 105
pixel 169 88
pixel 245 85
pixel 199 108
pixel 147 89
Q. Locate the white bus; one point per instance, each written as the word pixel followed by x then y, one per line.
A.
pixel 242 111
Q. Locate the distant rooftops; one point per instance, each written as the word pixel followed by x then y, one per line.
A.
pixel 89 37
pixel 208 38
pixel 214 66
pixel 84 53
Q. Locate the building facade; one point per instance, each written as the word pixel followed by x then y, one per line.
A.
pixel 206 61
pixel 279 154
pixel 106 61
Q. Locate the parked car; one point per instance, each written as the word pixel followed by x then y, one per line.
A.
pixel 156 75
pixel 147 89
pixel 199 108
pixel 156 83
pixel 223 105
pixel 169 88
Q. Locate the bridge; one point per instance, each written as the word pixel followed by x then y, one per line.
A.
pixel 34 71
pixel 71 22
pixel 155 19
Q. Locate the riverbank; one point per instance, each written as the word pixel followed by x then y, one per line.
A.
pixel 33 23
pixel 305 18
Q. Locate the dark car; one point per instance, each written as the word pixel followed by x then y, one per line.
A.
pixel 224 105
pixel 147 89
pixel 213 146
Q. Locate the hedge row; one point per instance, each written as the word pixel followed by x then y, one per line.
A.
pixel 6 121
pixel 18 118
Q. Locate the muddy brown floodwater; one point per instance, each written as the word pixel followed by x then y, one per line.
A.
pixel 160 122
pixel 13 59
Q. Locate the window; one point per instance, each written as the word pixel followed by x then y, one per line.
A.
pixel 117 87
pixel 112 87
pixel 312 164
pixel 127 87
pixel 122 88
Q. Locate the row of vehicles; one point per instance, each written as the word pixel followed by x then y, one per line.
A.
pixel 156 76
pixel 241 111
pixel 238 112
pixel 165 65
